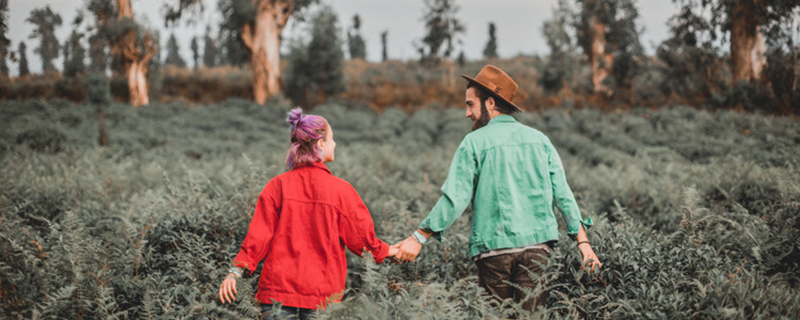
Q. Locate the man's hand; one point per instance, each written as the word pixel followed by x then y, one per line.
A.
pixel 587 252
pixel 227 290
pixel 407 250
pixel 589 258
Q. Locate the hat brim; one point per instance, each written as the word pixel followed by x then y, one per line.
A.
pixel 494 95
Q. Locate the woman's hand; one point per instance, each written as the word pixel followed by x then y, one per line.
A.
pixel 227 290
pixel 406 250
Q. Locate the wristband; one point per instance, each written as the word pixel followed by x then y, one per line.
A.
pixel 580 242
pixel 419 237
pixel 235 272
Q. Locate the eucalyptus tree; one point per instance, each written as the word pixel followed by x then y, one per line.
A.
pixel 315 70
pixel 131 45
pixel 564 59
pixel 384 44
pixel 210 50
pixel 490 51
pixel 258 24
pixel 750 25
pixel 45 21
pixel 195 52
pixel 174 53
pixel 4 41
pixel 442 27
pixel 607 33
pixel 74 52
pixel 23 59
pixel 355 43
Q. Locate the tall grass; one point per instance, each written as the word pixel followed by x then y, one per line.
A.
pixel 696 212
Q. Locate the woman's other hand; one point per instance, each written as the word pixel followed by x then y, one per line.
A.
pixel 227 290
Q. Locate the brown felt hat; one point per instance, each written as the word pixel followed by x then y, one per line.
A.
pixel 497 82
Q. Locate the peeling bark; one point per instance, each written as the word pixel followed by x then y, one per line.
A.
pixel 125 9
pixel 263 42
pixel 747 44
pixel 134 59
pixel 600 57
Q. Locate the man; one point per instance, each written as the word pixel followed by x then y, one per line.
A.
pixel 511 174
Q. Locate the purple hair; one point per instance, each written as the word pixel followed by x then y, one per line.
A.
pixel 306 131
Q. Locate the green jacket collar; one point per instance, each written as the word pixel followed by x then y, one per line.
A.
pixel 503 118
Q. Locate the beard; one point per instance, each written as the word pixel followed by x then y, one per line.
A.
pixel 479 122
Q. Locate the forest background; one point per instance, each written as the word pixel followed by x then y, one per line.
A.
pixel 129 172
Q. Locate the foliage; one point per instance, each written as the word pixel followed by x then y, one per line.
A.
pixel 621 35
pixel 384 44
pixel 564 60
pixel 782 74
pixel 23 59
pixel 490 51
pixel 99 92
pixel 441 28
pixel 195 53
pixel 4 41
pixel 355 43
pixel 210 50
pixel 696 212
pixel 315 69
pixel 46 22
pixel 174 53
pixel 234 51
pixel 74 52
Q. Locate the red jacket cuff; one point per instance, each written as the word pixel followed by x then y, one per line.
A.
pixel 381 252
pixel 250 267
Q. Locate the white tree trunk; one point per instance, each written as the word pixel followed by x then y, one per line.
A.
pixel 600 59
pixel 135 59
pixel 137 83
pixel 264 42
pixel 747 44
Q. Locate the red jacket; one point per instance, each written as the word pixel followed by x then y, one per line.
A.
pixel 304 218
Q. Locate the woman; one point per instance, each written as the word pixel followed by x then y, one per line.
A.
pixel 303 220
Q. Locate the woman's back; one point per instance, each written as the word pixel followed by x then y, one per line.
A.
pixel 303 220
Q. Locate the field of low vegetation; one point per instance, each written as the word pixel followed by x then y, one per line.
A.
pixel 697 213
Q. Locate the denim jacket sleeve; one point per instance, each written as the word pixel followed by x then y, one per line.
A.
pixel 564 199
pixel 457 191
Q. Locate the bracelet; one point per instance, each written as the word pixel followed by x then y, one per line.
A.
pixel 419 237
pixel 581 242
pixel 235 272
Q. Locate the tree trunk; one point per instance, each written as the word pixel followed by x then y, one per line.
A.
pixel 125 9
pixel 137 83
pixel 599 57
pixel 747 44
pixel 135 60
pixel 263 41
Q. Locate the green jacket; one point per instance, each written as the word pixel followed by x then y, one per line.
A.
pixel 511 173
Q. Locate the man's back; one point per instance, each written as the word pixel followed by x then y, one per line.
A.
pixel 513 198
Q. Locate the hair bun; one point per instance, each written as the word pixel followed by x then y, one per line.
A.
pixel 294 116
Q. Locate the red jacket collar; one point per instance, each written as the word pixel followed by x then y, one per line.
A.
pixel 321 166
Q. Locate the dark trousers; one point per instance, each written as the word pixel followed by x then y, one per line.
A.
pixel 286 313
pixel 495 273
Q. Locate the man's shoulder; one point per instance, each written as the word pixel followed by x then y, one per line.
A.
pixel 520 129
pixel 511 130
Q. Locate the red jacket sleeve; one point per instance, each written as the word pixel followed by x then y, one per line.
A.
pixel 356 228
pixel 262 227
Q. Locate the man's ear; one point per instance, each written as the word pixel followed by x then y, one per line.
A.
pixel 490 103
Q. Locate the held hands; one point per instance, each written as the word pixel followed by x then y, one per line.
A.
pixel 406 250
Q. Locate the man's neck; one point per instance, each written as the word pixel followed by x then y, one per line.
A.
pixel 493 113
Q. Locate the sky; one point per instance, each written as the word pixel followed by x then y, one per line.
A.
pixel 518 24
